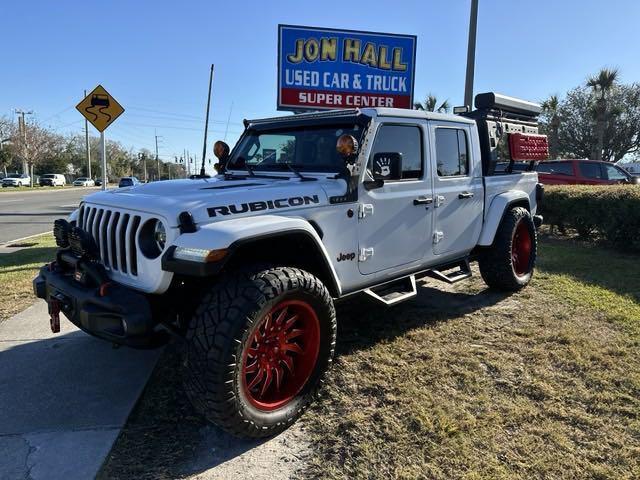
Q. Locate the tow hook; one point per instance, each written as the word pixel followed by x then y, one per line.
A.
pixel 54 314
pixel 57 303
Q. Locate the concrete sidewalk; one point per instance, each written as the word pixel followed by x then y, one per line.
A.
pixel 63 397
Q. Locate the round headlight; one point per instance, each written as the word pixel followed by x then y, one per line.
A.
pixel 160 235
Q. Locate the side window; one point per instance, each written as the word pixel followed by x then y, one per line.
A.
pixel 614 173
pixel 590 170
pixel 452 157
pixel 405 140
pixel 557 168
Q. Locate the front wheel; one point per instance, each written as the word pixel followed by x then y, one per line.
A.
pixel 508 264
pixel 257 349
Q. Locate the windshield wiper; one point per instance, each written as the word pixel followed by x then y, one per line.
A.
pixel 299 175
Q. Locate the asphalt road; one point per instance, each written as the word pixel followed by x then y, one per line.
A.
pixel 28 213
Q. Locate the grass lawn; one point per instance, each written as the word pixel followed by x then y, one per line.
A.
pixel 18 269
pixel 467 383
pixel 460 382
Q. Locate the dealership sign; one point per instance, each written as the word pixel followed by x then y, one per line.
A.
pixel 322 68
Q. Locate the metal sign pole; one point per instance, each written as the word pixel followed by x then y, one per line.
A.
pixel 103 150
pixel 471 55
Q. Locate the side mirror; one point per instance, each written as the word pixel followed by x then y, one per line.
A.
pixel 387 166
pixel 221 150
pixel 347 146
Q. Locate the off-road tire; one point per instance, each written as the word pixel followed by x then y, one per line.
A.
pixel 224 326
pixel 497 265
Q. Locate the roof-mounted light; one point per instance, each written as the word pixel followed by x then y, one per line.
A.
pixel 496 101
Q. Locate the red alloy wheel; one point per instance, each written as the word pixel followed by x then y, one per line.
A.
pixel 521 249
pixel 281 355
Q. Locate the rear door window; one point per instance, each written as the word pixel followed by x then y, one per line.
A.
pixel 590 170
pixel 556 168
pixel 452 158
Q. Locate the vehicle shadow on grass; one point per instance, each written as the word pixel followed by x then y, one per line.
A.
pixel 362 322
pixel 166 438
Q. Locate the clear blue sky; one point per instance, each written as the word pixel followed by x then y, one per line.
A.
pixel 154 56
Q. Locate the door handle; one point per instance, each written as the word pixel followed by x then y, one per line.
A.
pixel 465 195
pixel 422 201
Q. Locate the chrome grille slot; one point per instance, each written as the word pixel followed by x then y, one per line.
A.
pixel 104 240
pixel 97 218
pixel 111 234
pixel 80 214
pixel 131 239
pixel 121 233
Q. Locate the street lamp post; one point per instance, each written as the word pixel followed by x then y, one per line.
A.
pixel 471 55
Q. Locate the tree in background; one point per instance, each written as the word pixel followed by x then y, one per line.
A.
pixel 5 153
pixel 597 121
pixel 550 110
pixel 602 85
pixel 430 104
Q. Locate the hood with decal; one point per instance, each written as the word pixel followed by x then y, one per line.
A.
pixel 216 199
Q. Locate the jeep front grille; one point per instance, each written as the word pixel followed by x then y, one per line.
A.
pixel 114 232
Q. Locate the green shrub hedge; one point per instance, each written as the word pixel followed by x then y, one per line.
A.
pixel 610 212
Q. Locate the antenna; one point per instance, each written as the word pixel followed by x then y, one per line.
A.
pixel 206 125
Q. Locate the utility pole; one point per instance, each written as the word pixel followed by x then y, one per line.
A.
pixel 157 157
pixel 471 55
pixel 188 160
pixel 22 128
pixel 86 142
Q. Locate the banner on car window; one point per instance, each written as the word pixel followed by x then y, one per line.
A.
pixel 322 68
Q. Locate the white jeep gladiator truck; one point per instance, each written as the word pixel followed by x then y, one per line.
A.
pixel 306 210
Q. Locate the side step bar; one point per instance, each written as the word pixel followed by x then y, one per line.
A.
pixel 463 272
pixel 394 292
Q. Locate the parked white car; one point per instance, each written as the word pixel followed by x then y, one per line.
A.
pixel 16 180
pixel 52 180
pixel 84 182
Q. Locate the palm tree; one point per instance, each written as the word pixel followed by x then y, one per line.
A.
pixel 550 107
pixel 430 105
pixel 601 84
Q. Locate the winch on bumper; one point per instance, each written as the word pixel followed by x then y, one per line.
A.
pixel 78 286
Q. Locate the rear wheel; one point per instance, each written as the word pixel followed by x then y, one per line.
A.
pixel 257 349
pixel 508 264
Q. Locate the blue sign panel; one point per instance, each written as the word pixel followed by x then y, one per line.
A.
pixel 323 68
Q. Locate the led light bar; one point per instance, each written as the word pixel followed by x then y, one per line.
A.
pixel 496 101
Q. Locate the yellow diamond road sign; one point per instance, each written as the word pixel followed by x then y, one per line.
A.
pixel 100 108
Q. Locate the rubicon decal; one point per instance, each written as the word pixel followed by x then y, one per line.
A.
pixel 262 205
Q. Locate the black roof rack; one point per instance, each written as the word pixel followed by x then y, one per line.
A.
pixel 347 116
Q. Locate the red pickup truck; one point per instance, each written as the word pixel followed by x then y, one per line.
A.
pixel 585 172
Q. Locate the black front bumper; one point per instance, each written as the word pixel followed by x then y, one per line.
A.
pixel 107 310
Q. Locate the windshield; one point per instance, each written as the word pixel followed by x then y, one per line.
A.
pixel 14 175
pixel 306 148
pixel 81 179
pixel 48 175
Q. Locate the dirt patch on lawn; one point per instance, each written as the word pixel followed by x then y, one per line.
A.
pixel 165 438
